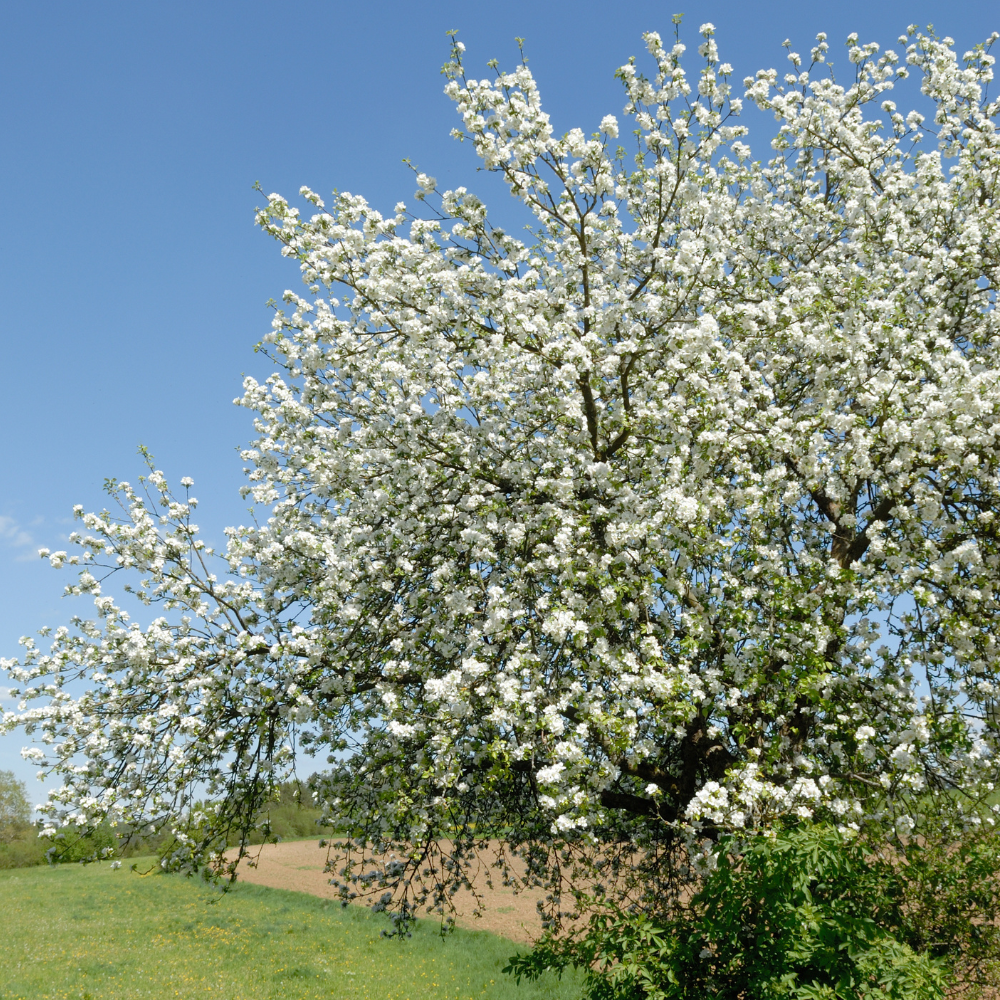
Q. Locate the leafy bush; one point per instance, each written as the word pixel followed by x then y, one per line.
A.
pixel 805 915
pixel 23 851
pixel 91 845
pixel 28 848
pixel 951 894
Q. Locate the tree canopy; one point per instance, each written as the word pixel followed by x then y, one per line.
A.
pixel 675 518
pixel 15 810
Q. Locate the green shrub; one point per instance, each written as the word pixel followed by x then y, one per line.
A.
pixel 100 842
pixel 805 915
pixel 951 895
pixel 23 851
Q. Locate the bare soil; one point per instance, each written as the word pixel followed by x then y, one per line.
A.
pixel 299 866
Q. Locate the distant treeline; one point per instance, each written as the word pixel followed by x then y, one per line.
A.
pixel 289 815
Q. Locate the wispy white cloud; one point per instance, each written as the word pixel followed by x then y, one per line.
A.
pixel 15 535
pixel 12 532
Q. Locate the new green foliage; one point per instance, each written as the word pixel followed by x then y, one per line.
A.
pixel 805 915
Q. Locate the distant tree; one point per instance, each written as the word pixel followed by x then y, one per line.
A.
pixel 15 809
pixel 673 522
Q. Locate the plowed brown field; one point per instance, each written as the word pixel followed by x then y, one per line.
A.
pixel 298 865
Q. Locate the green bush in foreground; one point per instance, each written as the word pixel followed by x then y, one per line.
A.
pixel 805 915
pixel 74 931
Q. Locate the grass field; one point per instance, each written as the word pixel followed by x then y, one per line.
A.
pixel 90 933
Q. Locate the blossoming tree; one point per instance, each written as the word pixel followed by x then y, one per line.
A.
pixel 677 517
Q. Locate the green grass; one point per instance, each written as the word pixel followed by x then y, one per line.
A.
pixel 90 933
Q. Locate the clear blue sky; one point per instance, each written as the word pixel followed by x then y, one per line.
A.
pixel 132 280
